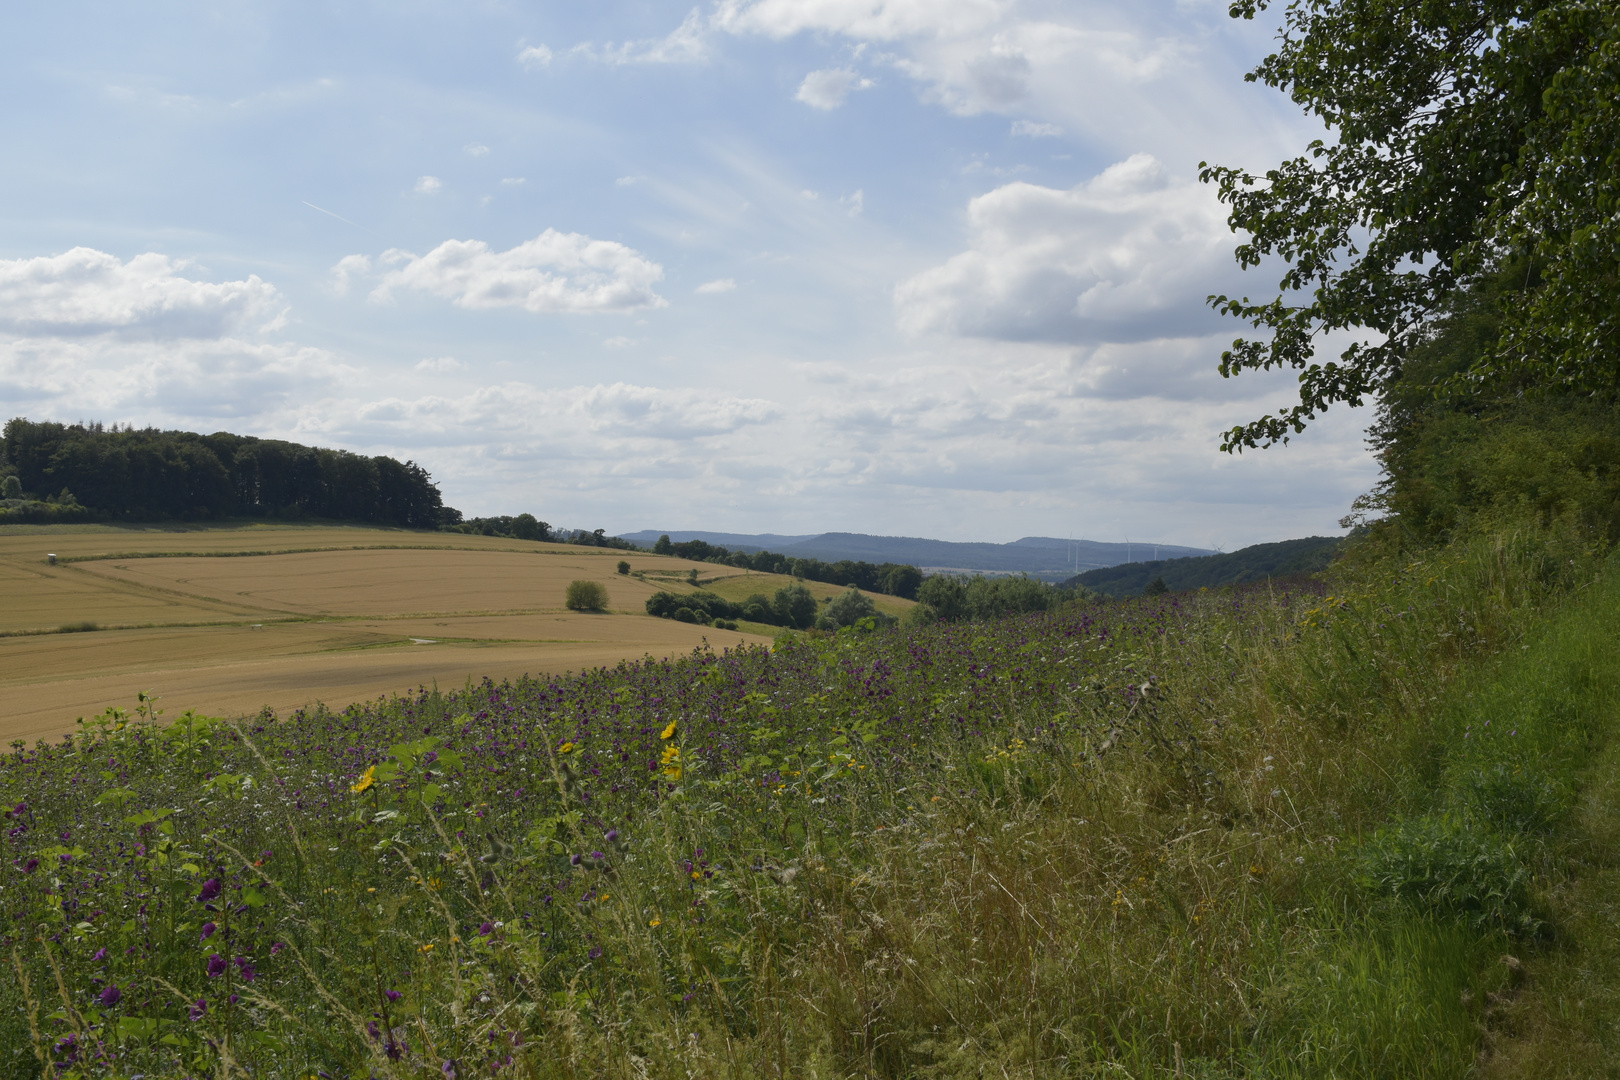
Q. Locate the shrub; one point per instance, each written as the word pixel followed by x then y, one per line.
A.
pixel 684 614
pixel 586 596
pixel 624 567
pixel 1449 866
pixel 11 488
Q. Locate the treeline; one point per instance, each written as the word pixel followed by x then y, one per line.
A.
pixel 144 474
pixel 891 579
pixel 793 606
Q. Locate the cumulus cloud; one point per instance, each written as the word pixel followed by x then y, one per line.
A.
pixel 514 181
pixel 84 291
pixel 719 285
pixel 428 185
pixel 686 44
pixel 535 56
pixel 828 88
pixel 554 272
pixel 475 149
pixel 1127 256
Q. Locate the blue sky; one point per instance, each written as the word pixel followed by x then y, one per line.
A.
pixel 925 267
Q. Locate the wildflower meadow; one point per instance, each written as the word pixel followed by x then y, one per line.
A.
pixel 1272 831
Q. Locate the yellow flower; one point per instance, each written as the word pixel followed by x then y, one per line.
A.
pixel 669 732
pixel 671 753
pixel 566 748
pixel 656 922
pixel 367 778
pixel 673 772
pixel 604 896
pixel 697 875
pixel 427 948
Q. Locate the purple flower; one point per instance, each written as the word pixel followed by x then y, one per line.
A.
pixel 110 996
pixel 210 889
pixel 392 995
pixel 208 929
pixel 573 860
pixel 486 929
pixel 276 947
pixel 234 999
pixel 101 954
pixel 266 856
pixel 596 952
pixel 199 1010
pixel 598 856
pixel 246 969
pixel 216 966
pixel 449 1068
pixel 612 835
pixel 30 866
pixel 373 1030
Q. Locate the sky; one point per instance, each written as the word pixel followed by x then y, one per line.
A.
pixel 909 267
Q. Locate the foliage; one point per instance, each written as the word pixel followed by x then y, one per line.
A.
pixel 1464 136
pixel 893 579
pixel 583 595
pixel 144 474
pixel 978 597
pixel 623 567
pixel 11 488
pixel 1446 864
pixel 850 608
pixel 1255 563
pixel 522 527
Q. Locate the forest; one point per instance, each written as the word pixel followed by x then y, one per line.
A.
pixel 111 473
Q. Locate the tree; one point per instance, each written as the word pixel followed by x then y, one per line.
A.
pixel 795 606
pixel 11 488
pixel 528 527
pixel 623 567
pixel 850 607
pixel 663 546
pixel 1156 587
pixel 586 596
pixel 1466 136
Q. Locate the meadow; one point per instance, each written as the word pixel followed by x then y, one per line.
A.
pixel 233 620
pixel 1283 833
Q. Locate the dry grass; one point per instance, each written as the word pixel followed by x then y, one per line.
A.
pixel 339 612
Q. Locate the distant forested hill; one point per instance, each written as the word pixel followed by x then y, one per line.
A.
pixel 1246 564
pixel 145 474
pixel 1046 557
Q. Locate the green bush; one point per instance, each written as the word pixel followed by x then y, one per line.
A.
pixel 624 567
pixel 586 596
pixel 1449 866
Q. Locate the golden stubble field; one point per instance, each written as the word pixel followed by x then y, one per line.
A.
pixel 229 620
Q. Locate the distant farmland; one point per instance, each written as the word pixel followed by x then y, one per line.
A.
pixel 229 620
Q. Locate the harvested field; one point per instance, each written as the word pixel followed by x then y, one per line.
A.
pixel 229 620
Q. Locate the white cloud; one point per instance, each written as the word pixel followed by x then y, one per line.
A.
pixel 535 56
pixel 514 181
pixel 629 181
pixel 440 364
pixel 475 149
pixel 719 285
pixel 554 272
pixel 856 202
pixel 428 185
pixel 84 291
pixel 617 342
pixel 1106 70
pixel 686 44
pixel 347 270
pixel 1033 130
pixel 828 88
pixel 1127 256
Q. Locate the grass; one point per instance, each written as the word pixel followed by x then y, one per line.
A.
pixel 1201 836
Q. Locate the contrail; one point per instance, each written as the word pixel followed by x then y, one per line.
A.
pixel 329 213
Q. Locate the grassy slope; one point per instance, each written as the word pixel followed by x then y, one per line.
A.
pixel 1028 869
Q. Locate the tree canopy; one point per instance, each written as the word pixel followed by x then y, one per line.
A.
pixel 1465 137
